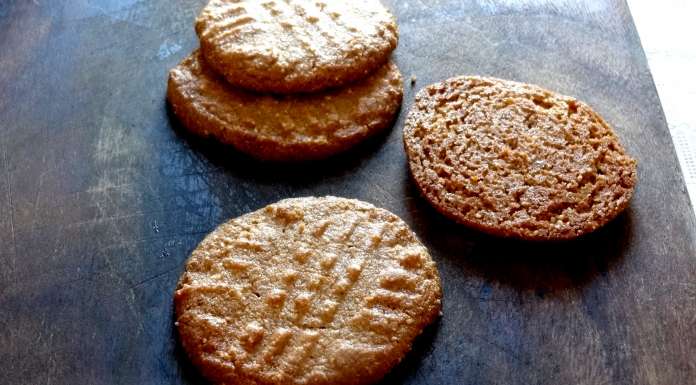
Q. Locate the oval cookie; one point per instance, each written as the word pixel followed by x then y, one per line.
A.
pixel 300 127
pixel 306 291
pixel 516 160
pixel 291 46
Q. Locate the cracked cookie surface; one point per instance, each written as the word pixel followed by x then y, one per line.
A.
pixel 291 46
pixel 293 127
pixel 306 291
pixel 516 160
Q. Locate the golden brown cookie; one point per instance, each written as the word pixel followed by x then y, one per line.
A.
pixel 300 127
pixel 306 291
pixel 516 160
pixel 291 46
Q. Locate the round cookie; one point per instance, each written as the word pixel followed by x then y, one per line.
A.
pixel 291 46
pixel 516 160
pixel 300 127
pixel 306 291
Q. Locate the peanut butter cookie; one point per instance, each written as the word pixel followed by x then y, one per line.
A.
pixel 299 127
pixel 291 46
pixel 306 291
pixel 516 160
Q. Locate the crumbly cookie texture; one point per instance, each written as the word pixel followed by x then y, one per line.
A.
pixel 516 160
pixel 291 46
pixel 300 127
pixel 306 291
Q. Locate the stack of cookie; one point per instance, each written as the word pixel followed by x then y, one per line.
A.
pixel 291 79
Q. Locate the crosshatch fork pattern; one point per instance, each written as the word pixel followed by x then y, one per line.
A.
pixel 293 46
pixel 305 289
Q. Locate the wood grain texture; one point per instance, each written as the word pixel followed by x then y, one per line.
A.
pixel 103 197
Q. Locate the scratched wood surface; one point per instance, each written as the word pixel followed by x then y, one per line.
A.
pixel 103 196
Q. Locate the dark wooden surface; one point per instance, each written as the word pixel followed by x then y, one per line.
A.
pixel 102 197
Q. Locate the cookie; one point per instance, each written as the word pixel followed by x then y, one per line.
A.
pixel 291 46
pixel 516 160
pixel 306 291
pixel 300 127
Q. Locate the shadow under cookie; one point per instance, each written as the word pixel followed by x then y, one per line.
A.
pixel 294 174
pixel 542 267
